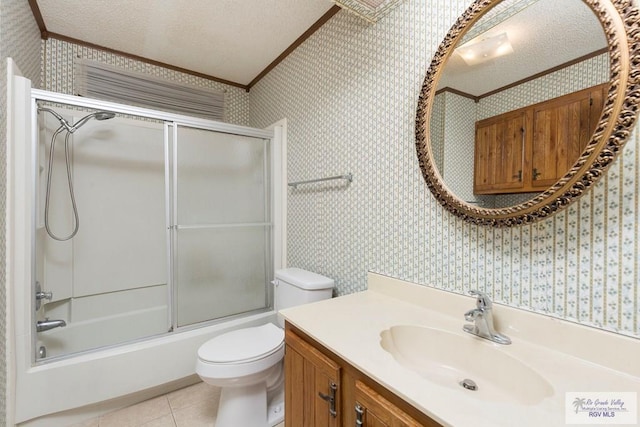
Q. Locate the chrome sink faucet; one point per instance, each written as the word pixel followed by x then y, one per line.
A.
pixel 482 318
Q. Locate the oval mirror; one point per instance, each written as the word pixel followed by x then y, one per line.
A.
pixel 525 105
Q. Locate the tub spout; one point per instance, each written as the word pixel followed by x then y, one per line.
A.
pixel 46 324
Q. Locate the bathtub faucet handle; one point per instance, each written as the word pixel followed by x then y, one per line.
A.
pixel 41 296
pixel 44 295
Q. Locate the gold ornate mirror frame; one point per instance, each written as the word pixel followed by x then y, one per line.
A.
pixel 620 21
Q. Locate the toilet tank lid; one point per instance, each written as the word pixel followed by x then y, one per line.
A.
pixel 304 279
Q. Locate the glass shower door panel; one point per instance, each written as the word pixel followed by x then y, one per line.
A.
pixel 222 223
pixel 221 272
pixel 221 178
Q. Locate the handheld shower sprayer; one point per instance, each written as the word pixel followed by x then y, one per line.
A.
pixel 98 115
pixel 70 128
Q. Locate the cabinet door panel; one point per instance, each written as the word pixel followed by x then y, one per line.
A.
pixel 562 130
pixel 379 412
pixel 294 392
pixel 309 375
pixel 499 154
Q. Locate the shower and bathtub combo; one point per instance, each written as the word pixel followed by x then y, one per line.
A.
pixel 141 242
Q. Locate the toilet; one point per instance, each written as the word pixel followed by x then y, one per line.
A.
pixel 248 363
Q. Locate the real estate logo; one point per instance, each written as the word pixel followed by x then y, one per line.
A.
pixel 604 408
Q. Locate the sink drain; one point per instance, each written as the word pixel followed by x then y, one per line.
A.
pixel 469 384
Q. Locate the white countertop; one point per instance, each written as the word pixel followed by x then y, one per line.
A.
pixel 571 357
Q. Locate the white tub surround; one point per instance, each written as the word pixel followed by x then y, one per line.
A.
pixel 56 392
pixel 569 356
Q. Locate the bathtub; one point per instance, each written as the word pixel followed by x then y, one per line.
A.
pixel 106 331
pixel 54 394
pixel 64 391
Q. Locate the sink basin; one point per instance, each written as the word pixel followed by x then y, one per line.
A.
pixel 449 359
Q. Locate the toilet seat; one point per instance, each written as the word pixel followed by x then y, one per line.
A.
pixel 241 354
pixel 242 345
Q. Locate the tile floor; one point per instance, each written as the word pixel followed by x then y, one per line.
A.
pixel 194 406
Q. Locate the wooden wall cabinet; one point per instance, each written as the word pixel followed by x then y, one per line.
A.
pixel 499 154
pixel 323 390
pixel 530 149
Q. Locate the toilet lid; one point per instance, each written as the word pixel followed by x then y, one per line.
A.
pixel 242 344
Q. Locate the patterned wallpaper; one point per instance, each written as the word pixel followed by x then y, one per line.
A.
pixel 459 139
pixel 58 75
pixel 436 129
pixel 349 94
pixel 20 40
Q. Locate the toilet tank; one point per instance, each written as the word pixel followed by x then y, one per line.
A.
pixel 295 286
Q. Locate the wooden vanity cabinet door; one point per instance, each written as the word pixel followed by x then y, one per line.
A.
pixel 498 163
pixel 376 411
pixel 309 375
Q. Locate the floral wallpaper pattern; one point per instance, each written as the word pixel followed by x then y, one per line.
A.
pixel 349 94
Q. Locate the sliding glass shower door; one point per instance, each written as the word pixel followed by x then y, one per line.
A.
pixel 221 224
pixel 174 225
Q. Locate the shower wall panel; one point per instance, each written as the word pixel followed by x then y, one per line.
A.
pixel 120 185
pixel 112 276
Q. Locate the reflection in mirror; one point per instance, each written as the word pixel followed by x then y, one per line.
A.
pixel 516 58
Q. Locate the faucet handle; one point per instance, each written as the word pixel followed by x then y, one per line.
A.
pixel 482 300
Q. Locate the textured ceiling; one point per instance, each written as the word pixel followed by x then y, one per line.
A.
pixel 230 39
pixel 544 35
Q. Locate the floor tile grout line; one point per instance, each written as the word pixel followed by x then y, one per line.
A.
pixel 173 416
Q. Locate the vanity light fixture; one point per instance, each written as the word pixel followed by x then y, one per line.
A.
pixel 477 52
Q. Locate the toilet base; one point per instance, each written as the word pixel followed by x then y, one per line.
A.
pixel 242 406
pixel 275 410
pixel 248 406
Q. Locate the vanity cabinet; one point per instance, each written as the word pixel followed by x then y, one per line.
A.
pixel 322 390
pixel 312 385
pixel 373 410
pixel 530 149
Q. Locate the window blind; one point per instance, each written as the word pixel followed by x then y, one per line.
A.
pixel 97 80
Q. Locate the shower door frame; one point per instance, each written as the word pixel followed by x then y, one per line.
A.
pixel 171 122
pixel 172 141
pixel 114 367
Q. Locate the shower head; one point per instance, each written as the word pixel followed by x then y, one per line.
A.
pixel 71 128
pixel 98 115
pixel 104 115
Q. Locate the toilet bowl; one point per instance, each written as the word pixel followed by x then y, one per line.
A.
pixel 248 363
